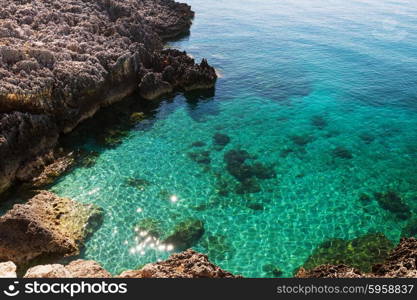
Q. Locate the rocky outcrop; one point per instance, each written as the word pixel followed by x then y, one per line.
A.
pixel 61 61
pixel 188 264
pixel 402 263
pixel 76 269
pixel 47 226
pixel 8 270
pixel 185 234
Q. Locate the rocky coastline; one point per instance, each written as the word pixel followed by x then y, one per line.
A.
pixel 61 61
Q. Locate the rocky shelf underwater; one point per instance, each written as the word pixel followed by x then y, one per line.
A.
pixel 304 153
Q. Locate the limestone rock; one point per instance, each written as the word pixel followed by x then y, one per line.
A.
pixel 48 271
pixel 188 264
pixel 185 234
pixel 87 269
pixel 8 270
pixel 46 226
pixel 76 269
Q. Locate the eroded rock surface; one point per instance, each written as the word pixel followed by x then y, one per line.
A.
pixel 402 262
pixel 187 264
pixel 47 226
pixel 76 269
pixel 60 61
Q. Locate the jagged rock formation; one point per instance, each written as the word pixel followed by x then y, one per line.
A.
pixel 60 61
pixel 46 226
pixel 402 262
pixel 76 269
pixel 187 264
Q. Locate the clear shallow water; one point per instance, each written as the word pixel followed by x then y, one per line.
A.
pixel 338 74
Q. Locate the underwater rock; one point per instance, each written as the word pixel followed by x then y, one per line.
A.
pixel 234 157
pixel 47 226
pixel 62 61
pixel 221 140
pixel 76 269
pixel 361 253
pixel 341 152
pixel 88 159
pixel 367 138
pixel 401 263
pixel 185 234
pixel 272 270
pixel 410 229
pixel 365 198
pixel 149 225
pixel 200 157
pixel 198 144
pixel 187 264
pixel 112 138
pixel 246 173
pixel 138 183
pixel 255 206
pixel 302 140
pixel 319 122
pixel 285 152
pixel 222 187
pixel 235 164
pixel 262 171
pixel 248 186
pixel 218 247
pixel 392 202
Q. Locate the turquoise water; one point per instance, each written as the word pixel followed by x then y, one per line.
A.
pixel 299 79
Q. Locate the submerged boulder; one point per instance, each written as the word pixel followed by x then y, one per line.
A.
pixel 185 234
pixel 360 253
pixel 151 226
pixel 246 172
pixel 200 157
pixel 271 270
pixel 218 247
pixel 392 202
pixel 137 183
pixel 46 227
pixel 341 152
pixel 410 229
pixel 221 140
pixel 188 264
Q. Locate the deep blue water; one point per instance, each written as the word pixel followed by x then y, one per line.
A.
pixel 299 79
